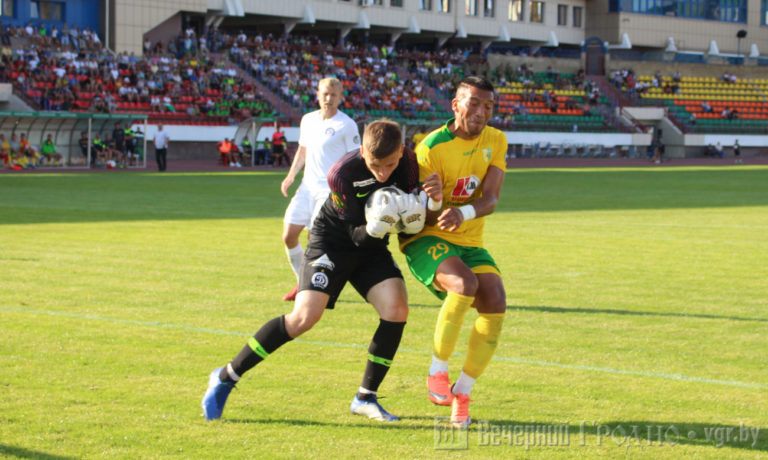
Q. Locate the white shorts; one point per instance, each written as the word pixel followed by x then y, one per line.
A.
pixel 304 206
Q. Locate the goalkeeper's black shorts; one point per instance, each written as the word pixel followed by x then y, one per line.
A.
pixel 328 271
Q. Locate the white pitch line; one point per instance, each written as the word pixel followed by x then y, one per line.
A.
pixel 576 367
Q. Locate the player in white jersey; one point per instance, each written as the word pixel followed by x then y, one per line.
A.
pixel 325 136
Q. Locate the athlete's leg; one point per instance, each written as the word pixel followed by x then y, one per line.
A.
pixel 271 336
pixel 390 300
pixel 293 248
pixel 490 302
pixel 461 285
pixel 307 311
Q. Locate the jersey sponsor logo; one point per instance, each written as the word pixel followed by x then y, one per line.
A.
pixel 324 262
pixel 364 183
pixel 465 188
pixel 362 195
pixel 320 280
pixel 330 131
pixel 338 200
pixel 466 154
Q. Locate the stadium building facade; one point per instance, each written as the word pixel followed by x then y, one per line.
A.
pixel 727 27
pixel 646 25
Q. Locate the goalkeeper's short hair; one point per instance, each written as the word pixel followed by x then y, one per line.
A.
pixel 382 138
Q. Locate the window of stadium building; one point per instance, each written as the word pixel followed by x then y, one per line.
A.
pixel 396 3
pixel 471 7
pixel 46 10
pixel 516 10
pixel 490 8
pixel 714 10
pixel 425 5
pixel 764 13
pixel 6 8
pixel 445 6
pixel 562 15
pixel 577 12
pixel 537 12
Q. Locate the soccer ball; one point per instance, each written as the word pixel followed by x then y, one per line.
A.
pixel 111 164
pixel 383 206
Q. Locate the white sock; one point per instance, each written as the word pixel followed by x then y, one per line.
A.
pixel 437 366
pixel 232 373
pixel 294 257
pixel 365 391
pixel 463 384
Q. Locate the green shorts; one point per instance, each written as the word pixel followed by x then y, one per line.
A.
pixel 426 253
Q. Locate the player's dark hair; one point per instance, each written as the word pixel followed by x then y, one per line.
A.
pixel 476 81
pixel 382 138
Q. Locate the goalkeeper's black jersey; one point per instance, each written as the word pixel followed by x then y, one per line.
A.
pixel 340 224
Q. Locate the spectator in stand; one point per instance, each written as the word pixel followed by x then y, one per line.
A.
pixel 692 119
pixel 705 107
pixel 48 150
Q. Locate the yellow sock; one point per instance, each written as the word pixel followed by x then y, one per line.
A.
pixel 482 343
pixel 449 324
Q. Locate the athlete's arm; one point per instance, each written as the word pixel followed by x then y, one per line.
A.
pixel 451 218
pixel 298 163
pixel 433 187
pixel 349 209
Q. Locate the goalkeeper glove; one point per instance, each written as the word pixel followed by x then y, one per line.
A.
pixel 382 217
pixel 412 211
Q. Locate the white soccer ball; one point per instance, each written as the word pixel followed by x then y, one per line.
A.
pixel 382 205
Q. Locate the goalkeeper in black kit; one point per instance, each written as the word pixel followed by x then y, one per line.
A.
pixel 348 244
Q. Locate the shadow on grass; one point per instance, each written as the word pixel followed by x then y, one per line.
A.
pixel 20 452
pixel 358 422
pixel 38 198
pixel 608 311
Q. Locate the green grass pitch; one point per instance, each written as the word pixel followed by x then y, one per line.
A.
pixel 637 322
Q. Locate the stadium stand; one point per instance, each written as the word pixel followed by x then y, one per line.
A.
pixel 374 84
pixel 724 104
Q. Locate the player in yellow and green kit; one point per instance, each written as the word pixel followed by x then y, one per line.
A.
pixel 461 166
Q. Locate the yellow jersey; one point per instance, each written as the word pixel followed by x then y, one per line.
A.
pixel 462 165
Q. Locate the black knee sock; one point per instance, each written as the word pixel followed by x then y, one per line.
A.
pixel 380 354
pixel 268 339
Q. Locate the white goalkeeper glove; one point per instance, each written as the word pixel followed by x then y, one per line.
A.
pixel 382 217
pixel 412 211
